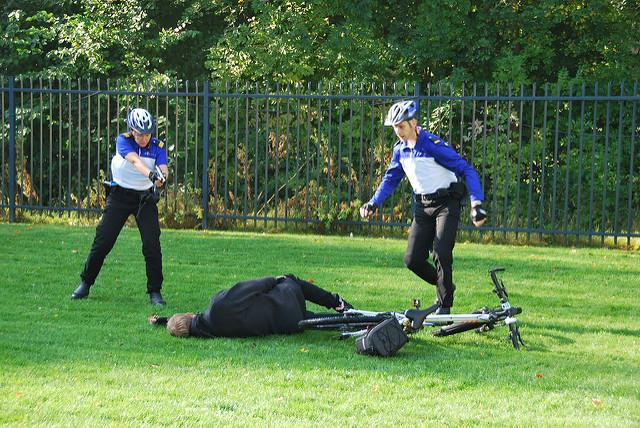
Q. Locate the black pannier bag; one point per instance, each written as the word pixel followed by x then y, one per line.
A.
pixel 382 340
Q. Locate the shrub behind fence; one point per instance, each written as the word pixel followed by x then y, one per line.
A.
pixel 554 161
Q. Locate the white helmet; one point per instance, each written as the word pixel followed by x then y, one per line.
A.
pixel 140 120
pixel 401 111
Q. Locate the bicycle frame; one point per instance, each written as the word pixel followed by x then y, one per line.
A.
pixel 416 319
pixel 431 320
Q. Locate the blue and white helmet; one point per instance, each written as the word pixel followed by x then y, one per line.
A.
pixel 401 111
pixel 140 120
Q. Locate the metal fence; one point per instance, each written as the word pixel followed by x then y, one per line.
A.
pixel 554 161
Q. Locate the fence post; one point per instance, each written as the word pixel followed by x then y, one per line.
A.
pixel 205 155
pixel 12 151
pixel 416 94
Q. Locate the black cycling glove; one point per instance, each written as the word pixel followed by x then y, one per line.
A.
pixel 478 213
pixel 153 176
pixel 368 209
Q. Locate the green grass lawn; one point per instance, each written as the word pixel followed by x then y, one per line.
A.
pixel 97 362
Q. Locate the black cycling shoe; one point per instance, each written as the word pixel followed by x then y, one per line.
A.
pixel 81 292
pixel 156 298
pixel 443 311
pixel 341 304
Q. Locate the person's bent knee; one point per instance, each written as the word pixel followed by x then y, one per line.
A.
pixel 411 262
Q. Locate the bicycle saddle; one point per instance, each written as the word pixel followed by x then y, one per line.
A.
pixel 417 316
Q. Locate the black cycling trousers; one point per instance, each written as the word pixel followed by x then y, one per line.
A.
pixel 122 203
pixel 434 228
pixel 312 293
pixel 317 295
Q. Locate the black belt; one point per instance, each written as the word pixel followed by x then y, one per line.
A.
pixel 133 191
pixel 438 194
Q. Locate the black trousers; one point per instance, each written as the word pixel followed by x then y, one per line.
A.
pixel 314 294
pixel 434 228
pixel 121 203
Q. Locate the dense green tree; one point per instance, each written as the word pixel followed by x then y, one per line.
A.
pixel 312 40
pixel 124 39
pixel 426 41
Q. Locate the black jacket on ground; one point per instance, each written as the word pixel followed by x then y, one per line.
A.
pixel 256 307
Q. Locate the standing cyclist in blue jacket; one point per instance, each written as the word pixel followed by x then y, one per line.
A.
pixel 437 175
pixel 134 190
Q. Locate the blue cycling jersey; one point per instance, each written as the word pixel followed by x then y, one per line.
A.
pixel 430 165
pixel 124 173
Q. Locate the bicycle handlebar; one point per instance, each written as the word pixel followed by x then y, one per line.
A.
pixel 498 286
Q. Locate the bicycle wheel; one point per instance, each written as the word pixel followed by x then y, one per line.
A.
pixel 449 330
pixel 343 322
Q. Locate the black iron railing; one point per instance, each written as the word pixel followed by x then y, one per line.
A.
pixel 556 160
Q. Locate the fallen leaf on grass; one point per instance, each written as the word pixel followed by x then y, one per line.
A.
pixel 596 402
pixel 539 375
pixel 18 394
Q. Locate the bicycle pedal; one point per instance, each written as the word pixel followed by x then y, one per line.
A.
pixel 485 328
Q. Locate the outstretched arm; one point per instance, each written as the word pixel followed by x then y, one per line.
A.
pixel 137 163
pixel 389 182
pixel 390 179
pixel 158 320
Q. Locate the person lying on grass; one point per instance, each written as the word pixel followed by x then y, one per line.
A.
pixel 256 307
